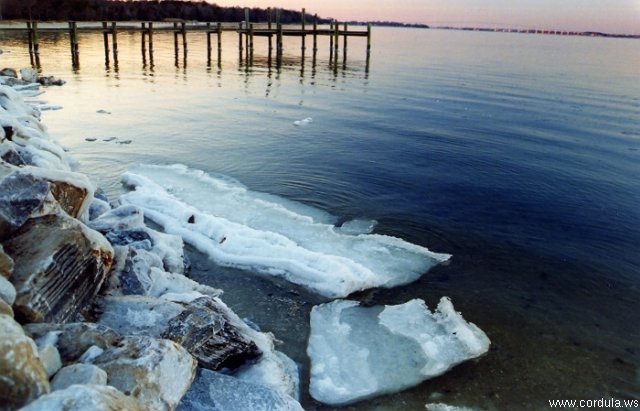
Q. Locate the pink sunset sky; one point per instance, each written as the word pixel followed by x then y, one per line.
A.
pixel 615 16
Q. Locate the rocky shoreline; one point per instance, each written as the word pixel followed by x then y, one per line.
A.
pixel 95 309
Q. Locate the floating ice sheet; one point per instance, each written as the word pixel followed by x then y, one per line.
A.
pixel 358 353
pixel 241 228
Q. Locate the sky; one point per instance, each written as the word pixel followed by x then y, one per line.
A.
pixel 614 16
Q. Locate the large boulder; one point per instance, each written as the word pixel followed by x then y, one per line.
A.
pixel 85 397
pixel 60 265
pixel 74 339
pixel 22 376
pixel 9 72
pixel 156 372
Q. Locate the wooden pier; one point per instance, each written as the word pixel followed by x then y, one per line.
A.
pixel 246 32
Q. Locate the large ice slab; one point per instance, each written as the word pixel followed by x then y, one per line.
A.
pixel 241 228
pixel 361 352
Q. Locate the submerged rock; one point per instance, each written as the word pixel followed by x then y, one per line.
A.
pixel 74 339
pixel 357 353
pixel 156 372
pixel 85 397
pixel 51 81
pixel 60 265
pixel 22 376
pixel 213 391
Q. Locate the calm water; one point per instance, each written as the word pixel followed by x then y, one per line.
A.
pixel 518 154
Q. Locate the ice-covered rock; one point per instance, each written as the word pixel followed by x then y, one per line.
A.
pixel 361 352
pixel 29 75
pixel 202 327
pixel 213 391
pixel 78 374
pixel 358 226
pixel 60 265
pixel 156 372
pixel 137 315
pixel 85 397
pixel 22 376
pixel 74 339
pixel 9 72
pixel 240 228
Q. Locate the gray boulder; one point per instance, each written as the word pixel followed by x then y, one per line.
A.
pixel 78 374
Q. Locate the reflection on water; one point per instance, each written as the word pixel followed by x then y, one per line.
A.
pixel 518 154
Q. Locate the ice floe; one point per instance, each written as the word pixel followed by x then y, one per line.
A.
pixel 361 352
pixel 241 228
pixel 303 122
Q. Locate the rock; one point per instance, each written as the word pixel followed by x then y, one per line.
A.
pixel 71 197
pixel 74 339
pixel 128 236
pixel 50 358
pixel 60 265
pixel 7 291
pixel 50 81
pixel 6 263
pixel 78 374
pixel 9 72
pixel 121 218
pixel 98 207
pixel 21 196
pixel 85 397
pixel 137 315
pixel 22 376
pixel 156 372
pixel 213 391
pixel 6 309
pixel 204 329
pixel 8 152
pixel 29 75
pixel 13 81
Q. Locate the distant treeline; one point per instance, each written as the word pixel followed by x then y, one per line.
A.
pixel 145 10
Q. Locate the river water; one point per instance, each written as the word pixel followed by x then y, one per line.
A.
pixel 518 154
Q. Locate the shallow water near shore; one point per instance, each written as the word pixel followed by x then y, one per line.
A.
pixel 517 154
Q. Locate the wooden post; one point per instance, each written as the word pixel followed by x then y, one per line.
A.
pixel 151 43
pixel 114 40
pixel 184 37
pixel 219 32
pixel 251 44
pixel 269 27
pixel 105 36
pixel 336 41
pixel 315 34
pixel 240 40
pixel 368 41
pixel 344 46
pixel 175 39
pixel 304 33
pixel 30 34
pixel 279 40
pixel 73 39
pixel 208 43
pixel 36 42
pixel 143 35
pixel 246 32
pixel 331 42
